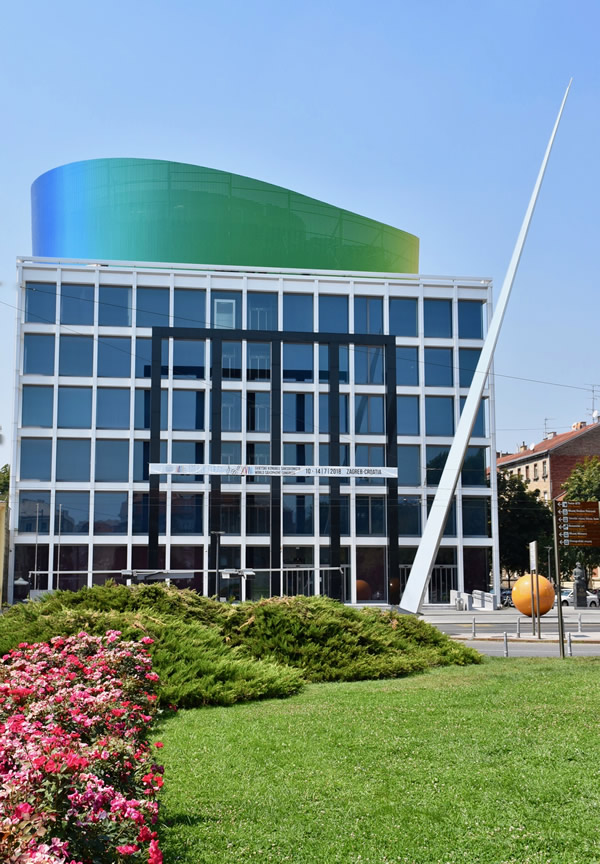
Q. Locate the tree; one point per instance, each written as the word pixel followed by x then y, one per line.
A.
pixel 583 485
pixel 4 481
pixel 522 518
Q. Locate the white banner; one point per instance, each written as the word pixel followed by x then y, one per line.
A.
pixel 271 470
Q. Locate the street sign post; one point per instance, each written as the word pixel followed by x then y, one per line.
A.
pixel 578 523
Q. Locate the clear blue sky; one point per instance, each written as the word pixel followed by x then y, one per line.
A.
pixel 432 116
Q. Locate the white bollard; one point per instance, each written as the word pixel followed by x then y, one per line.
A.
pixel 569 645
pixel 518 628
pixel 505 644
pixel 473 629
pixel 579 630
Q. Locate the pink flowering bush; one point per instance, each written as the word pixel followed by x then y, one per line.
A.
pixel 78 775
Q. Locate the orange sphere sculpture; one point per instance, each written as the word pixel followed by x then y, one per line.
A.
pixel 521 594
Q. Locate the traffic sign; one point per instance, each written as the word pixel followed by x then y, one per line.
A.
pixel 578 523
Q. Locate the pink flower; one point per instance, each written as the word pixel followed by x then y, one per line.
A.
pixel 146 640
pixel 155 855
pixel 128 849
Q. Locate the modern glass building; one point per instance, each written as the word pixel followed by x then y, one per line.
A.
pixel 280 333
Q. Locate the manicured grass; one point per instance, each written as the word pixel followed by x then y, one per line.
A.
pixel 491 764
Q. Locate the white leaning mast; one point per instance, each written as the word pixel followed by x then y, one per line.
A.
pixel 420 573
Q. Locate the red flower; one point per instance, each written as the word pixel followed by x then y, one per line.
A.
pixel 158 744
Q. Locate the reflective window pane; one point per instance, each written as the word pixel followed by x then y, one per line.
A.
pixel 73 459
pixel 72 513
pixel 40 302
pixel 190 308
pixel 324 415
pixel 184 453
pixel 344 364
pixel 142 409
pixel 143 358
pixel 34 512
pixel 436 459
pixel 258 361
pixel 298 313
pixel 114 308
pixel 298 514
pixel 368 315
pixel 450 524
pixel 467 363
pixel 112 461
pixel 409 465
pixel 140 508
pixel 141 460
pixel 231 411
pixel 186 513
pixel 438 367
pixel 370 515
pixel 479 429
pixel 38 354
pixel 407 415
pixel 368 364
pixel 110 512
pixel 231 361
pixel 188 409
pixel 258 514
pixel 188 359
pixel 74 407
pixel 231 517
pixel 403 316
pixel 114 357
pixel 36 458
pixel 112 408
pixel 407 366
pixel 258 406
pixel 476 517
pixel 409 516
pixel 152 307
pixel 369 415
pixel 37 406
pixel 343 507
pixel 297 362
pixel 474 472
pixel 111 558
pixel 226 310
pixel 333 314
pixel 76 356
pixel 298 454
pixel 439 415
pixel 77 304
pixel 261 311
pixel 470 319
pixel 298 412
pixel 437 315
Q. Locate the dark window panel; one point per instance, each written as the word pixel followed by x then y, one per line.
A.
pixel 474 472
pixel 231 361
pixel 476 517
pixel 74 407
pixel 40 302
pixel 141 461
pixel 368 315
pixel 73 459
pixel 436 459
pixel 76 356
pixel 467 363
pixel 231 514
pixel 114 308
pixel 110 512
pixel 140 518
pixel 409 465
pixel 152 307
pixel 409 516
pixel 298 362
pixel 333 314
pixel 343 504
pixel 72 513
pixel 141 412
pixel 34 512
pixel 188 359
pixel 370 515
pixel 143 358
pixel 258 361
pixel 77 304
pixel 439 415
pixel 231 411
pixel 470 319
pixel 258 514
pixel 187 557
pixel 36 458
pixel 114 357
pixel 407 366
pixel 258 406
pixel 324 416
pixel 112 408
pixel 450 526
pixel 183 452
pixel 112 461
pixel 438 367
pixel 403 316
pixel 186 513
pixel 38 354
pixel 188 409
pixel 37 406
pixel 407 415
pixel 479 429
pixel 298 313
pixel 477 567
pixel 31 557
pixel 190 308
pixel 369 415
pixel 139 556
pixel 298 454
pixel 298 413
pixel 298 515
pixel 71 558
pixel 344 364
pixel 111 558
pixel 437 315
pixel 368 364
pixel 261 311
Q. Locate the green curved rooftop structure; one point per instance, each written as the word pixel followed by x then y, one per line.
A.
pixel 152 210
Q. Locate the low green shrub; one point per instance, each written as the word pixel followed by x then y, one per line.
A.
pixel 210 653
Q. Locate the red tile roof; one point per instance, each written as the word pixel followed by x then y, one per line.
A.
pixel 544 446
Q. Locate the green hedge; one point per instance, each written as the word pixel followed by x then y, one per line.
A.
pixel 210 653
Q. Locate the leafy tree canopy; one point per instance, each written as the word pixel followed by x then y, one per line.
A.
pixel 522 518
pixel 4 480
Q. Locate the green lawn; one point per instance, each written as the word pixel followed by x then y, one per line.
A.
pixel 496 763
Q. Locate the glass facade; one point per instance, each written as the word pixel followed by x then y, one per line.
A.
pixel 84 435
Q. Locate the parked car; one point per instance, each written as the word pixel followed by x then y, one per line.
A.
pixel 567 598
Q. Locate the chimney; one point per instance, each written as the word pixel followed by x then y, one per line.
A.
pixel 581 424
pixel 523 447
